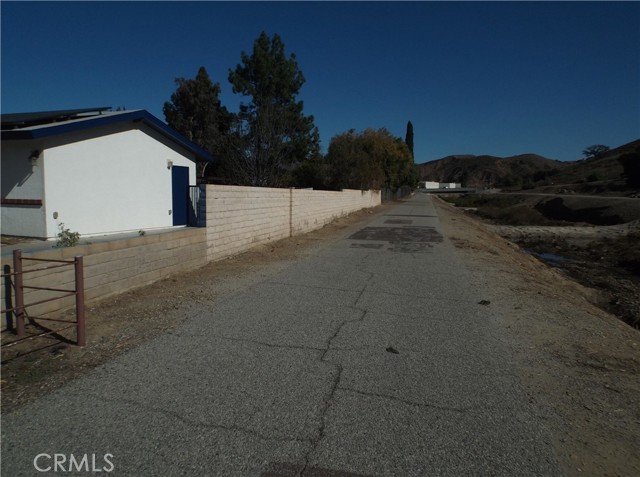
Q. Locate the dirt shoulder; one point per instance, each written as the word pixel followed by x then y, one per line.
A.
pixel 580 364
pixel 118 324
pixel 603 258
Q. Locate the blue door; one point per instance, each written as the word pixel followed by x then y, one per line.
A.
pixel 180 194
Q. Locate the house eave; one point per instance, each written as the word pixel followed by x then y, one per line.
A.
pixel 134 116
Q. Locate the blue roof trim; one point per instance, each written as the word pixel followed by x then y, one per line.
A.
pixel 98 121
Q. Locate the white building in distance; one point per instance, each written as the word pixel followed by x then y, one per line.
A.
pixel 438 185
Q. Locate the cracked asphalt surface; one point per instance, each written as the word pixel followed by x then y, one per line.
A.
pixel 369 356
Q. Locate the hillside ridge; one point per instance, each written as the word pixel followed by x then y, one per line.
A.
pixel 525 170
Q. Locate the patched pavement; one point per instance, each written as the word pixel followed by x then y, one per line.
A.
pixel 368 357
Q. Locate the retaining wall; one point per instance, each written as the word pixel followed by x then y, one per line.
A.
pixel 111 267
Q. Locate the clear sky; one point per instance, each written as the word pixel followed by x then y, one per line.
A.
pixel 499 78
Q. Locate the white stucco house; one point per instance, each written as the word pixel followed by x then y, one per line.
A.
pixel 94 170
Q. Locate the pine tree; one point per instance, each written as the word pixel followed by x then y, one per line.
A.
pixel 195 112
pixel 271 135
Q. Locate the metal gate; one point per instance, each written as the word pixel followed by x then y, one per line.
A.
pixel 197 206
pixel 17 312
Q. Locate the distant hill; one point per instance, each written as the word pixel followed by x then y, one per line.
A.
pixel 603 167
pixel 490 171
pixel 526 170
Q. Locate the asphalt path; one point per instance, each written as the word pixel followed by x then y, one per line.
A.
pixel 368 356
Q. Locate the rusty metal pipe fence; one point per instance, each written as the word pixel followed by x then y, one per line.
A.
pixel 18 310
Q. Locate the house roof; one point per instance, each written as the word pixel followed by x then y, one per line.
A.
pixel 52 123
pixel 21 120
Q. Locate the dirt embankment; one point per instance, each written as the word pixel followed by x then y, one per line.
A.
pixel 604 258
pixel 572 235
pixel 580 364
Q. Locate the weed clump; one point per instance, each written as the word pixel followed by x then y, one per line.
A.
pixel 67 238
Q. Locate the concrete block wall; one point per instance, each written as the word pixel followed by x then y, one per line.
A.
pixel 111 267
pixel 312 209
pixel 239 218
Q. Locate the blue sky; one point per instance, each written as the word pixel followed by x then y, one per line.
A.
pixel 498 78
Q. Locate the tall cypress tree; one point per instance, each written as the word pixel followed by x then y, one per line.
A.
pixel 408 139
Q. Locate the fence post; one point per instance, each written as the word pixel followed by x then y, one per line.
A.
pixel 8 298
pixel 17 269
pixel 202 206
pixel 80 316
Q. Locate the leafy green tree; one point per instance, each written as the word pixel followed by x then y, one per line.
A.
pixel 270 134
pixel 312 173
pixel 409 137
pixel 372 159
pixel 592 151
pixel 195 112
